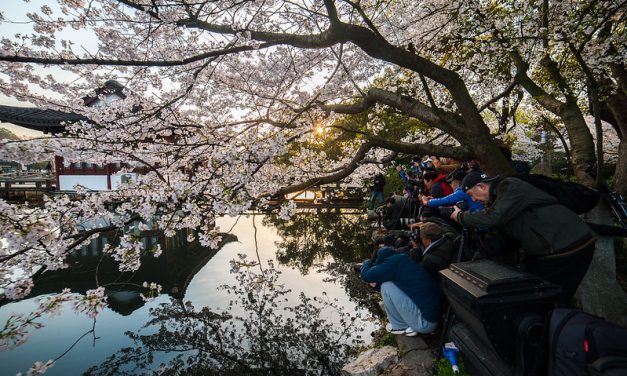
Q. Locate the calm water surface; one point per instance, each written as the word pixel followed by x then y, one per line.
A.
pixel 302 246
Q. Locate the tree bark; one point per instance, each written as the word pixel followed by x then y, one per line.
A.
pixel 618 106
pixel 581 143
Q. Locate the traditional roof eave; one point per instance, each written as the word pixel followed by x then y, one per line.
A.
pixel 47 121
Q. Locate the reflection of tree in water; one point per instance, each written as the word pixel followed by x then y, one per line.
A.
pixel 269 337
pixel 312 235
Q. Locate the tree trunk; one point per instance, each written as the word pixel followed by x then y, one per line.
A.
pixel 620 174
pixel 490 157
pixel 581 144
pixel 618 107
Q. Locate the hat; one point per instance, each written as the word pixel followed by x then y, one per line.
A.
pixel 473 178
pixel 458 174
pixel 430 230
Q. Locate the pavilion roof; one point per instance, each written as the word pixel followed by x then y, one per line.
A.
pixel 47 121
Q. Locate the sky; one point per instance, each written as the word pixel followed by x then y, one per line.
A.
pixel 15 21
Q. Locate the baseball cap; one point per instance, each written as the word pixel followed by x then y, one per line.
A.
pixel 473 178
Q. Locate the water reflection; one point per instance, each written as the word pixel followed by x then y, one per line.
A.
pixel 314 235
pixel 167 335
pixel 274 335
pixel 341 235
pixel 89 268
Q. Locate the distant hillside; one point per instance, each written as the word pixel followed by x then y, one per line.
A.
pixel 7 134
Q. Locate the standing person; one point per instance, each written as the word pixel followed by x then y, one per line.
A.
pixel 378 184
pixel 557 245
pixel 48 168
pixel 411 298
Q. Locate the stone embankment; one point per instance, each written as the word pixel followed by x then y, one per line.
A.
pixel 412 357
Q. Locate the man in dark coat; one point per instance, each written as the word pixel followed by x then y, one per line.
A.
pixel 557 245
pixel 378 184
pixel 437 252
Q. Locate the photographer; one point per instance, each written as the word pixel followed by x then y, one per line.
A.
pixel 436 184
pixel 557 245
pixel 397 207
pixel 378 184
pixel 437 249
pixel 411 298
pixel 454 179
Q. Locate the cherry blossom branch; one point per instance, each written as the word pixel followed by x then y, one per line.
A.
pixel 459 152
pixel 131 62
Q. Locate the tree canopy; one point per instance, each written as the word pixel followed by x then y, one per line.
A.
pixel 230 102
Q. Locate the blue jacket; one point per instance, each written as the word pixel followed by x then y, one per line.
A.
pixel 458 195
pixel 403 175
pixel 409 276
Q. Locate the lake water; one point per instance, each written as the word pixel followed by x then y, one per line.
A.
pixel 287 317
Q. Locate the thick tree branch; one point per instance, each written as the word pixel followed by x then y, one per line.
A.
pixel 457 152
pixel 360 158
pixel 443 120
pixel 545 99
pixel 389 158
pixel 502 94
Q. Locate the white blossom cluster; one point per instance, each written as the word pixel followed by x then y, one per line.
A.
pixel 219 107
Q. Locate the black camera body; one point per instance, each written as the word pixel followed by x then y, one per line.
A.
pixel 413 234
pixel 447 211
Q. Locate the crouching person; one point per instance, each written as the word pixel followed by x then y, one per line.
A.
pixel 411 298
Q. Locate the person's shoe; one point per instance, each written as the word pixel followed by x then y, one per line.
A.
pixel 389 329
pixel 409 332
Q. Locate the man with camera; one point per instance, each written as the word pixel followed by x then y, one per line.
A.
pixel 455 180
pixel 411 298
pixel 437 250
pixel 556 244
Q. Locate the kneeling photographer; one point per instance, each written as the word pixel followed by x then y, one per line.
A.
pixel 411 298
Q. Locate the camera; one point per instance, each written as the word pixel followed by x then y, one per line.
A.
pixel 406 221
pixel 447 211
pixel 413 234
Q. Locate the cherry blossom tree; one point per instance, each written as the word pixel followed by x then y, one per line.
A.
pixel 566 56
pixel 228 103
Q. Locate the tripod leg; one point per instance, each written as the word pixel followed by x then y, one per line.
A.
pixel 448 321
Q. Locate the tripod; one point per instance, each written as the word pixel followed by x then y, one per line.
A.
pixel 450 315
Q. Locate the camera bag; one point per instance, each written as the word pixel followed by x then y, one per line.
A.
pixel 583 344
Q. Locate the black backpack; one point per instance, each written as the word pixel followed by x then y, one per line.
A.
pixel 576 197
pixel 583 344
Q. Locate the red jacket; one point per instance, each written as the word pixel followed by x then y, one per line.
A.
pixel 440 187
